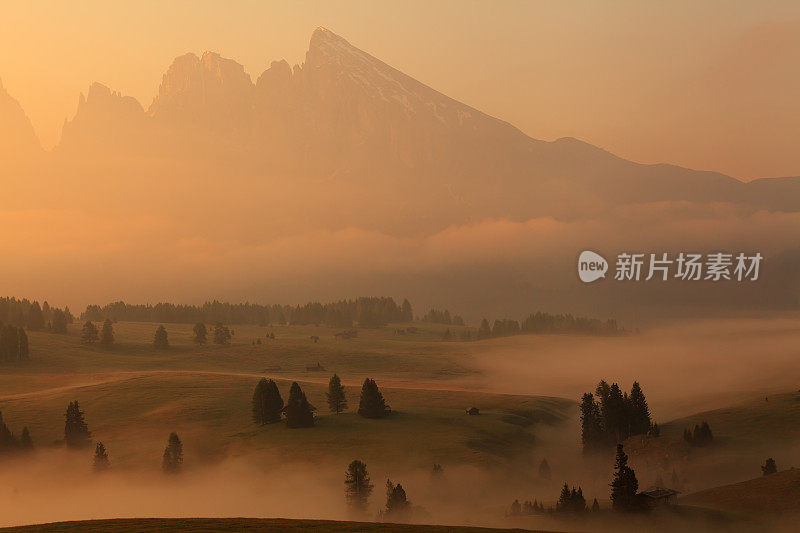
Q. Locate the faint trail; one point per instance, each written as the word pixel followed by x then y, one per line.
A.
pixel 117 377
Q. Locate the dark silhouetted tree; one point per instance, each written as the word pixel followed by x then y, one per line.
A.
pixel 200 333
pixel 107 334
pixel 592 435
pixel 640 421
pixel 337 402
pixel 299 413
pixel 624 484
pixel 160 339
pixel 35 320
pixel 267 402
pixel 595 506
pixel 89 333
pixel 357 486
pixel 101 461
pixel 7 440
pixel 222 335
pixel 371 404
pixel 769 467
pixel 407 314
pixel 76 431
pixel 398 508
pixel 172 460
pixel 544 470
pixel 25 440
pixel 59 321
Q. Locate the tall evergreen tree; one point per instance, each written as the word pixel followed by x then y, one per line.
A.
pixel 59 321
pixel 160 339
pixel 358 486
pixel 267 402
pixel 35 319
pixel 640 412
pixel 615 420
pixel 200 333
pixel 23 349
pixel 76 431
pixel 337 402
pixel 592 435
pixel 107 334
pixel 372 404
pixel 101 461
pixel 299 413
pixel 25 440
pixel 398 508
pixel 624 484
pixel 172 460
pixel 89 333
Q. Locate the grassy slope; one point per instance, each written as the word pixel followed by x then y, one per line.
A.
pixel 210 525
pixel 773 493
pixel 134 396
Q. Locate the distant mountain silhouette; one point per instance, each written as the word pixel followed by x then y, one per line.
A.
pixel 344 114
pixel 17 138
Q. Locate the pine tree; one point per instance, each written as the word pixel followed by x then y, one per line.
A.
pixel 59 321
pixel 222 335
pixel 563 499
pixel 200 333
pixel 107 334
pixel 544 470
pixel 624 484
pixel 640 412
pixel 595 506
pixel 592 435
pixel 160 339
pixel 76 431
pixel 25 440
pixel 172 460
pixel 7 440
pixel 89 333
pixel 615 417
pixel 299 413
pixel 398 508
pixel 35 319
pixel 372 404
pixel 101 461
pixel 23 350
pixel 407 314
pixel 267 402
pixel 358 486
pixel 769 467
pixel 337 402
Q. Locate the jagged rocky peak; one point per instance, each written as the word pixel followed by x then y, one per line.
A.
pixel 16 132
pixel 279 74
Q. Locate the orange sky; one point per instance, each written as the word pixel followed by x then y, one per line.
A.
pixel 714 87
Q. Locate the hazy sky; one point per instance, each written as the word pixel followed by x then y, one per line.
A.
pixel 710 85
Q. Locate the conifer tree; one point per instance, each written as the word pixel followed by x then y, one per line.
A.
pixel 59 321
pixel 624 484
pixel 299 413
pixel 76 431
pixel 267 402
pixel 407 314
pixel 89 333
pixel 337 401
pixel 595 506
pixel 769 467
pixel 7 440
pixel 35 317
pixel 358 486
pixel 372 404
pixel 101 461
pixel 398 508
pixel 592 435
pixel 200 333
pixel 23 350
pixel 107 334
pixel 25 440
pixel 160 339
pixel 172 460
pixel 640 412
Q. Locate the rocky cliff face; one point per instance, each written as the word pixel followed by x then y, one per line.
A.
pixel 17 138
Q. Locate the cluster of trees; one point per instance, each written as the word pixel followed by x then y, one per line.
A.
pixel 571 501
pixel 434 316
pixel 13 344
pixel 268 406
pixel 358 488
pixel 546 323
pixel 367 311
pixel 624 485
pixel 700 436
pixel 10 443
pixel 23 313
pixel 613 416
pixel 770 467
